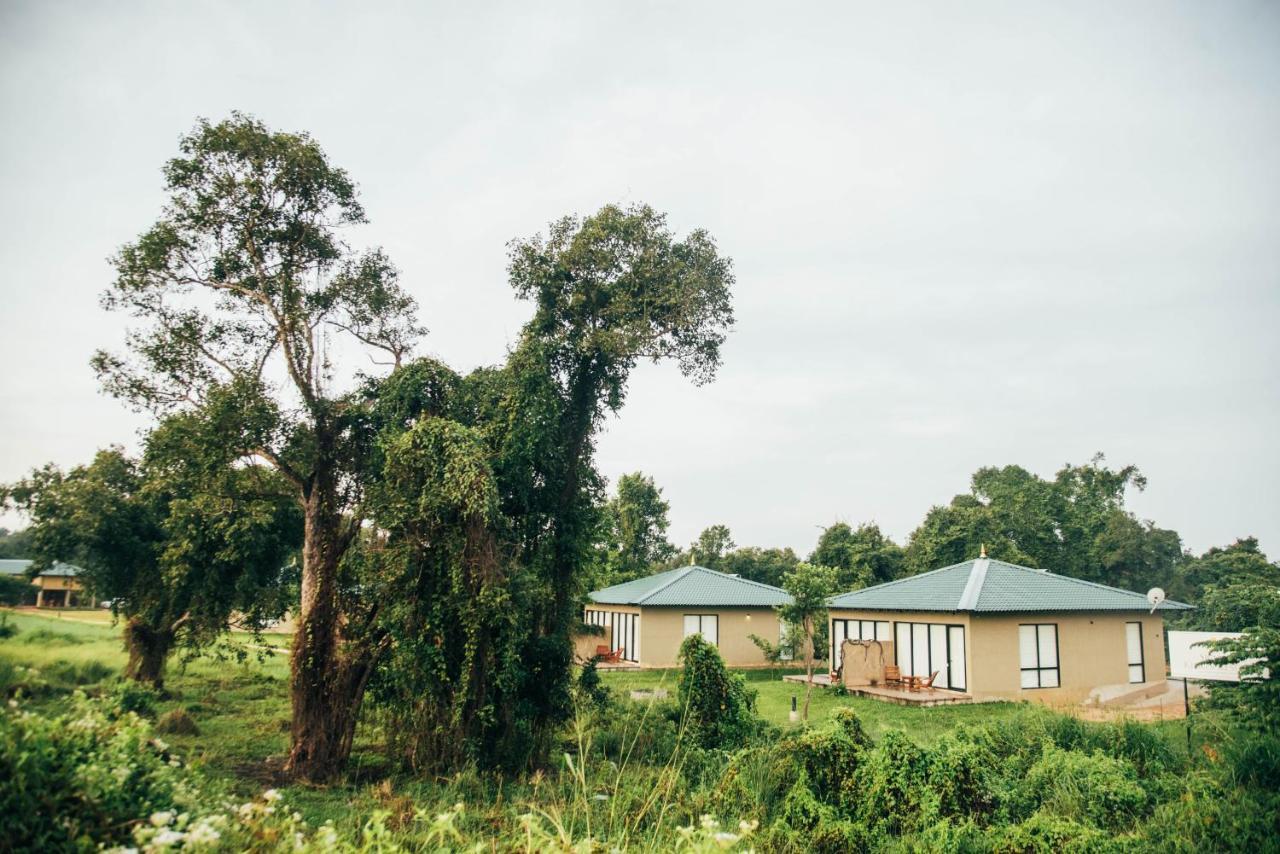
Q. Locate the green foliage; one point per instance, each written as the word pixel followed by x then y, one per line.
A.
pixel 1240 564
pixel 133 698
pixel 1075 524
pixel 1235 606
pixel 719 707
pixel 591 688
pixel 1093 789
pixel 1255 699
pixel 767 566
pixel 16 591
pixel 860 557
pixel 634 532
pixel 15 544
pixel 7 629
pixel 712 547
pixel 179 540
pixel 85 777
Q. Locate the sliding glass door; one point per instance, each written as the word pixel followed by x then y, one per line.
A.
pixel 922 648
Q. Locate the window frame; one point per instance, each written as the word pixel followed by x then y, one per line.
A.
pixel 1141 663
pixel 1038 669
pixel 702 617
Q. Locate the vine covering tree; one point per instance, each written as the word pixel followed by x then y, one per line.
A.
pixel 246 285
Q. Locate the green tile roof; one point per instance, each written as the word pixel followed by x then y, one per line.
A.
pixel 986 585
pixel 19 567
pixel 692 586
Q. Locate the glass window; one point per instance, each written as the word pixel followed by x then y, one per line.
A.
pixel 707 625
pixel 1038 655
pixel 903 649
pixel 1133 646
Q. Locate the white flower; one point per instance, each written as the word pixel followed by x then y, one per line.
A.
pixel 203 834
pixel 13 704
pixel 271 795
pixel 160 819
pixel 725 840
pixel 166 838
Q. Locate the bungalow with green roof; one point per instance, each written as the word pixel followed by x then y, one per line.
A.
pixel 650 617
pixel 994 630
pixel 56 587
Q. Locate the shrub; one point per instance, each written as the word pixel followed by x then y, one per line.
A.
pixel 591 688
pixel 1092 788
pixel 16 591
pixel 720 708
pixel 82 778
pixel 177 722
pixel 7 629
pixel 128 696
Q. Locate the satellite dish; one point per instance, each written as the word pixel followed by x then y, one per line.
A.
pixel 1155 596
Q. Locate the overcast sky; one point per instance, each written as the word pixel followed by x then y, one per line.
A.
pixel 964 234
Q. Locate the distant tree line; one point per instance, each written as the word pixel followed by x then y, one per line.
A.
pixel 1074 524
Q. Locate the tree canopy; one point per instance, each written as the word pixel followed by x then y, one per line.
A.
pixel 1075 524
pixel 183 544
pixel 634 531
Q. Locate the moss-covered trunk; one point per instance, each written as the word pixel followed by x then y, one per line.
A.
pixel 148 649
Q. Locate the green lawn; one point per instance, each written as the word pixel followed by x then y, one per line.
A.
pixel 774 703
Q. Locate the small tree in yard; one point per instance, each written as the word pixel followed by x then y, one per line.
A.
pixel 720 708
pixel 809 585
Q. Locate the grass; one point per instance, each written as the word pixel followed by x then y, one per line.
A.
pixel 773 702
pixel 242 711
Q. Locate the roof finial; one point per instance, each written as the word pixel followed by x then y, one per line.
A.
pixel 983 550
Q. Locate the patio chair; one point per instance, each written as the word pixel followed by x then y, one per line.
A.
pixel 920 684
pixel 892 675
pixel 607 656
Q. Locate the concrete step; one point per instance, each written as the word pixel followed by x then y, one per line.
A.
pixel 1125 694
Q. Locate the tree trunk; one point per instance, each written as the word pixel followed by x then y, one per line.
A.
pixel 808 667
pixel 148 650
pixel 327 677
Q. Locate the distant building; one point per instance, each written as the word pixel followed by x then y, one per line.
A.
pixel 56 587
pixel 998 630
pixel 650 617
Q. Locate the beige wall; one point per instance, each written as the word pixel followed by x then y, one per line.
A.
pixel 1091 650
pixel 662 632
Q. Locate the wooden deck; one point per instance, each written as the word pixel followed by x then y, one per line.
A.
pixel 900 696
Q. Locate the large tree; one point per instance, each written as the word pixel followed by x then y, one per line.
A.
pixel 1240 564
pixel 245 281
pixel 185 546
pixel 489 495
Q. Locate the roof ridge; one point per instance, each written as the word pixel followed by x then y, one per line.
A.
pixel 973 586
pixel 677 574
